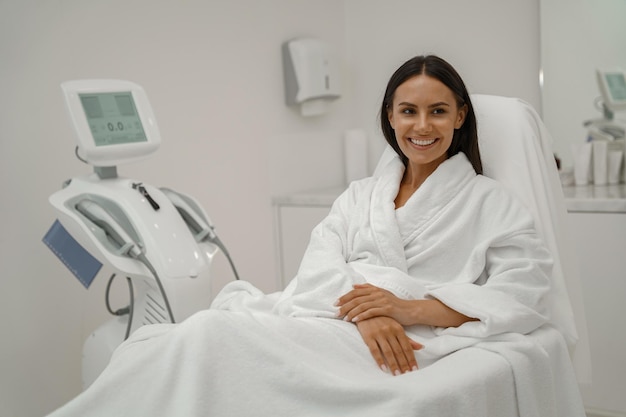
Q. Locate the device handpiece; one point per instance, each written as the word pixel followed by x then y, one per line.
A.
pixel 202 228
pixel 100 217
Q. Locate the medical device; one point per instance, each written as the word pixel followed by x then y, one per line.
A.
pixel 612 86
pixel 161 240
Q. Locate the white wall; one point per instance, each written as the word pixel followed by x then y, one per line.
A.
pixel 213 72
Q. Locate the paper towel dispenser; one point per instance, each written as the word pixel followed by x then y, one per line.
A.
pixel 311 75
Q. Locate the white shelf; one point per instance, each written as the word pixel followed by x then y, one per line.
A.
pixel 596 198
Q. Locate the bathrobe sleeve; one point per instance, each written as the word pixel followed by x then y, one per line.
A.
pixel 324 274
pixel 510 294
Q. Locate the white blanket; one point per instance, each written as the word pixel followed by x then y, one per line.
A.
pixel 460 238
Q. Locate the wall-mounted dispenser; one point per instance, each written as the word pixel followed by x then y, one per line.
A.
pixel 311 75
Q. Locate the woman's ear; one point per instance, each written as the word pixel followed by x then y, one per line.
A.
pixel 461 117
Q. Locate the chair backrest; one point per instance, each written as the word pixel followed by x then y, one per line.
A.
pixel 516 150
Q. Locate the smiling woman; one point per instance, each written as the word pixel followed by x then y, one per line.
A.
pixel 424 116
pixel 429 86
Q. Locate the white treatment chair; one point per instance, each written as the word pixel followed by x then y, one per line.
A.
pixel 516 150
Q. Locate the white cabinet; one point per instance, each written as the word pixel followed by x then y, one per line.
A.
pixel 295 217
pixel 597 219
pixel 600 240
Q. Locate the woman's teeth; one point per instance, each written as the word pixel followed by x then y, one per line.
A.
pixel 422 142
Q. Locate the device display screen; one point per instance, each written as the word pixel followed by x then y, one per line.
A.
pixel 617 86
pixel 113 118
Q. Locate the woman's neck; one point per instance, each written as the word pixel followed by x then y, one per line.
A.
pixel 414 176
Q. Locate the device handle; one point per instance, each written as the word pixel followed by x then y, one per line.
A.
pixel 101 218
pixel 196 221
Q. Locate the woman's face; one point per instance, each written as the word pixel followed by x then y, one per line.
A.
pixel 424 114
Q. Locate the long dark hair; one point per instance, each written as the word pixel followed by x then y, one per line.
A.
pixel 465 138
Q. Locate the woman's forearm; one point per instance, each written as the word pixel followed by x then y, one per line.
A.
pixel 366 301
pixel 433 313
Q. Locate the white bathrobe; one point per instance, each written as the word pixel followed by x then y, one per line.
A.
pixel 461 238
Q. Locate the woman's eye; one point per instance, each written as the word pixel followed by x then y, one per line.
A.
pixel 407 111
pixel 439 111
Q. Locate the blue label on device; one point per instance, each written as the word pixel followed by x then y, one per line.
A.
pixel 76 258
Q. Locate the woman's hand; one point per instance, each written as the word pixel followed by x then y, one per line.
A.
pixel 388 343
pixel 366 301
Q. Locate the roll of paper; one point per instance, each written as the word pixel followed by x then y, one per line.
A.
pixel 355 154
pixel 615 166
pixel 582 163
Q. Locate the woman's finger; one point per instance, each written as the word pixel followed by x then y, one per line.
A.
pixel 374 349
pixel 416 345
pixel 363 312
pixel 357 291
pixel 408 354
pixel 349 305
pixel 366 306
pixel 346 298
pixel 388 353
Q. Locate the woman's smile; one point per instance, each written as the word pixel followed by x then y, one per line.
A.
pixel 422 143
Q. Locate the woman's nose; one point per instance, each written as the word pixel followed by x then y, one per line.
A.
pixel 422 124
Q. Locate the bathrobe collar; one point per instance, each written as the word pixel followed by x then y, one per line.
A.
pixel 422 207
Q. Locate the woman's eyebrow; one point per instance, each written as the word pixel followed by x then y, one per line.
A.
pixel 438 104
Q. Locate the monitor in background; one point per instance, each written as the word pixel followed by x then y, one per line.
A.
pixel 612 85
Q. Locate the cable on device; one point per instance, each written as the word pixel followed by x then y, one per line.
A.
pixel 129 309
pixel 222 247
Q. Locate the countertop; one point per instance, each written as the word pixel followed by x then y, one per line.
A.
pixel 595 198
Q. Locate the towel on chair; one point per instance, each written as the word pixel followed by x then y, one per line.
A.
pixel 461 238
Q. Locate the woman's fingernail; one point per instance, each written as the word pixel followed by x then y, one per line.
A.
pixel 384 368
pixel 397 373
pixel 414 369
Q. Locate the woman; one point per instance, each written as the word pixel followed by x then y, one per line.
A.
pixel 412 246
pixel 426 117
pixel 420 261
